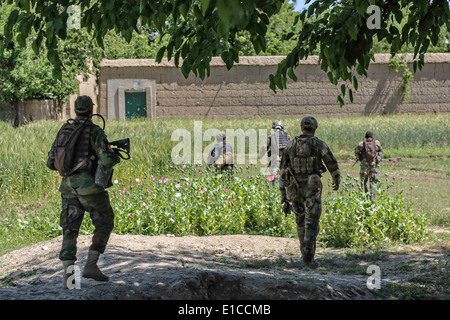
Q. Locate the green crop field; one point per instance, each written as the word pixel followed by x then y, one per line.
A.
pixel 153 195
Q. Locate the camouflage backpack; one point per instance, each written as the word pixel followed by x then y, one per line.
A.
pixel 369 150
pixel 66 140
pixel 306 160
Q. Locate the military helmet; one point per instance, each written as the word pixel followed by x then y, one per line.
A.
pixel 84 105
pixel 369 134
pixel 277 124
pixel 221 136
pixel 309 123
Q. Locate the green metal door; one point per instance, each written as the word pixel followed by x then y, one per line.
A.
pixel 135 105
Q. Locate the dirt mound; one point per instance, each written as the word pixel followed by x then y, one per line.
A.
pixel 168 267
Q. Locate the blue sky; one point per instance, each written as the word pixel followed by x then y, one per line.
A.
pixel 299 5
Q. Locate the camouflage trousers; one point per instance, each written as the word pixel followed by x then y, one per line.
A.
pixel 369 173
pixel 73 208
pixel 307 207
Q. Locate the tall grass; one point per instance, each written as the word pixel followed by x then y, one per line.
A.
pixel 24 177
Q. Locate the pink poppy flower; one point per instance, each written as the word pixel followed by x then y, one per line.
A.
pixel 226 201
pixel 199 170
pixel 149 191
pixel 177 185
pixel 216 190
pixel 46 195
pixel 166 180
pixel 202 191
pixel 226 190
pixel 130 217
pixel 184 166
pixel 122 191
pixel 188 184
pixel 270 178
pixel 153 178
pixel 112 196
pixel 143 204
pixel 231 201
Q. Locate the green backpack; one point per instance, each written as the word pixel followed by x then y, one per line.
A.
pixel 66 140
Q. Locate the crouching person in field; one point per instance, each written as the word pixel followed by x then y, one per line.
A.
pixel 221 155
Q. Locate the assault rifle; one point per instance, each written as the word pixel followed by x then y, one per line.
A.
pixel 122 147
pixel 103 175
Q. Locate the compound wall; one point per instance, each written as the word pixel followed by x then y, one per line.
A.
pixel 243 91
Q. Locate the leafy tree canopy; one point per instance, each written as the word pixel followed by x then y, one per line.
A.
pixel 27 73
pixel 198 30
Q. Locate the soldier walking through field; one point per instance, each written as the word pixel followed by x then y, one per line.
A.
pixel 370 153
pixel 78 149
pixel 302 165
pixel 276 142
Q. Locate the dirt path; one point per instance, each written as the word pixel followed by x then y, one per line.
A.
pixel 217 267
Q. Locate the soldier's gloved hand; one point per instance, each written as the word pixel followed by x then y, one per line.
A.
pixel 335 186
pixel 286 208
pixel 283 196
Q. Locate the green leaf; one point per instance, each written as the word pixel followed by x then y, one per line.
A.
pixel 350 95
pixel 291 74
pixel 183 10
pixel 330 76
pixel 343 89
pixel 341 101
pixel 205 6
pixel 272 83
pixel 160 54
pixel 355 83
pixel 398 16
pixel 352 32
pixel 186 68
pixel 25 4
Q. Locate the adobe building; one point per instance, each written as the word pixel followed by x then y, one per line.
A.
pixel 144 88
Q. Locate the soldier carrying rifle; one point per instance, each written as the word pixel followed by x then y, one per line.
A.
pixel 79 149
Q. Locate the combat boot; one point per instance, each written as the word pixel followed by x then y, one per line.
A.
pixel 91 269
pixel 66 265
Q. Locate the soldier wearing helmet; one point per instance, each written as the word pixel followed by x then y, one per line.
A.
pixel 304 160
pixel 79 192
pixel 370 153
pixel 276 142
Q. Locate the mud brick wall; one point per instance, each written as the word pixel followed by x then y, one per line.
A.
pixel 243 91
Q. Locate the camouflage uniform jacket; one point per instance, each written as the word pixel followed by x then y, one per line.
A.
pixel 322 154
pixel 378 150
pixel 84 182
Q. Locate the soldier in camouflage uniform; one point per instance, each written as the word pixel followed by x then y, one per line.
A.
pixel 302 165
pixel 80 193
pixel 369 165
